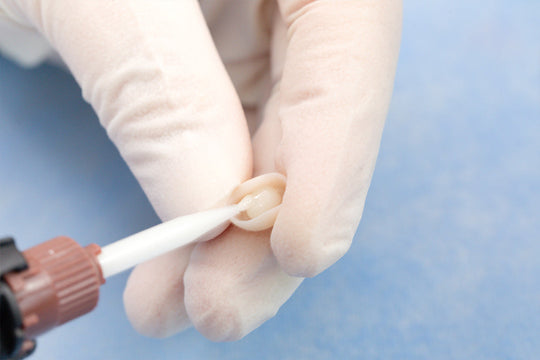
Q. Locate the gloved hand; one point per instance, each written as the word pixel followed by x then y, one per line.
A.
pixel 314 78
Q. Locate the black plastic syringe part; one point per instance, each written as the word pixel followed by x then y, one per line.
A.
pixel 11 331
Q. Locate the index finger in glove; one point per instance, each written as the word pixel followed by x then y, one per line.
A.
pixel 153 75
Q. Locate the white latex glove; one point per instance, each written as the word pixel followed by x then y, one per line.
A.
pixel 315 75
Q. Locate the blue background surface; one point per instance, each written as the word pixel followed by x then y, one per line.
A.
pixel 446 262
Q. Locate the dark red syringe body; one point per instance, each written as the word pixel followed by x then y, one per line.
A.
pixel 58 281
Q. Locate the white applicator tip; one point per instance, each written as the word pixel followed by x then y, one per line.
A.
pixel 160 239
